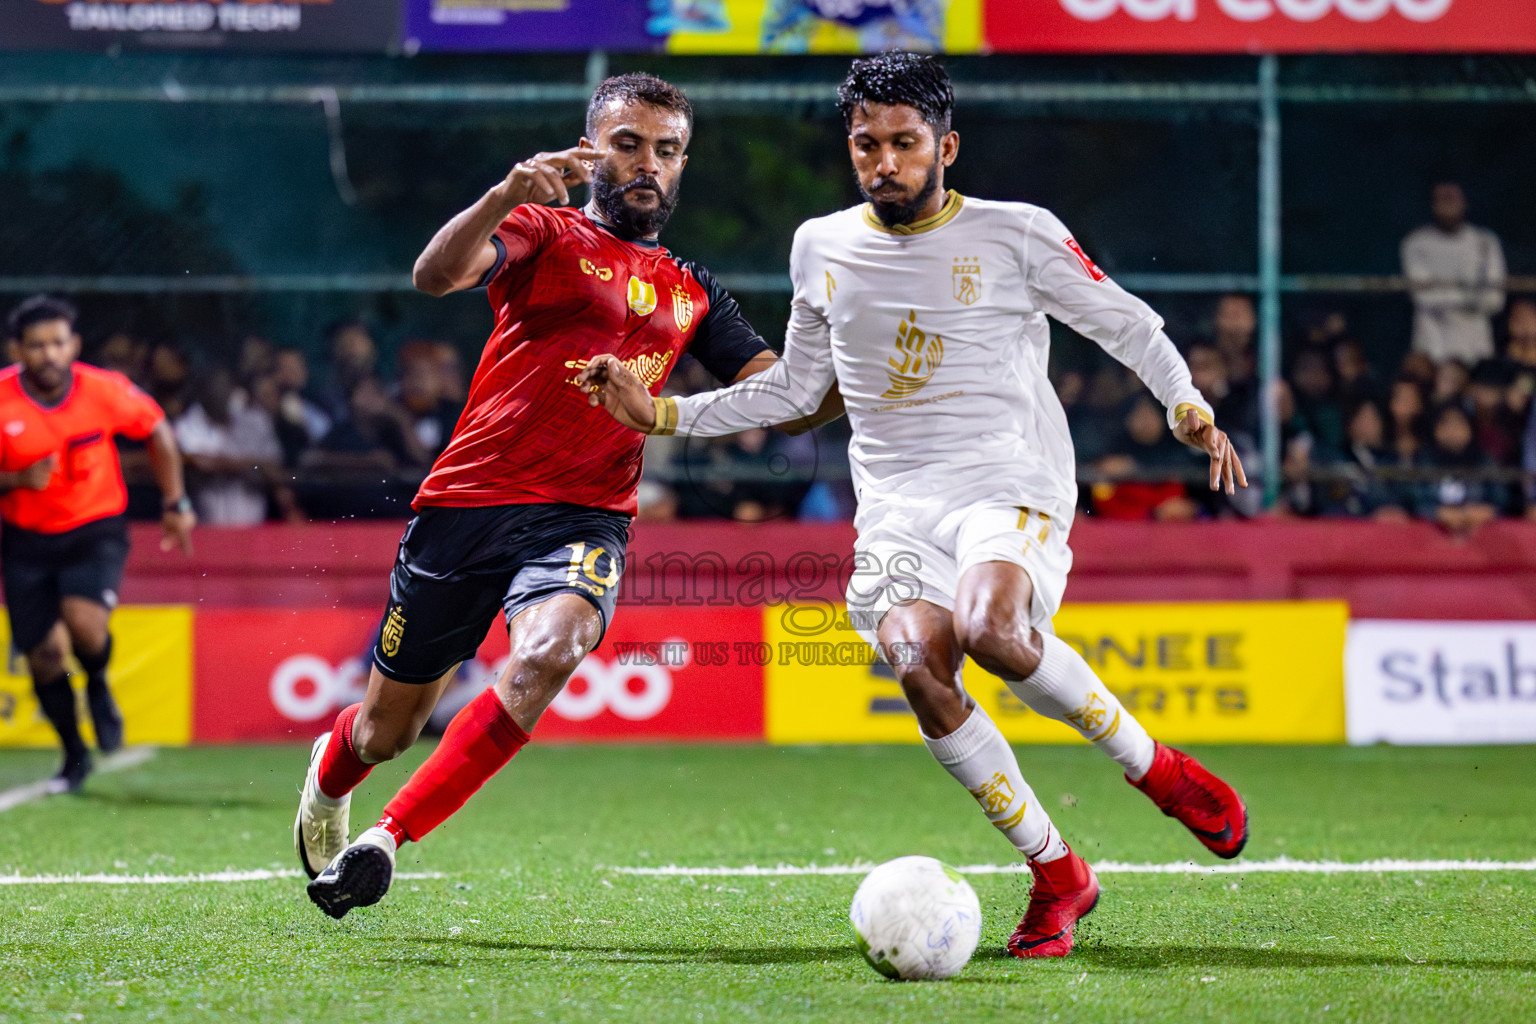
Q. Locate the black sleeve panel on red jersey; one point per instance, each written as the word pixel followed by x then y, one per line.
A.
pixel 724 342
pixel 526 231
pixel 501 261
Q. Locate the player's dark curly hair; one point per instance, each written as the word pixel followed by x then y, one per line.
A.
pixel 638 87
pixel 907 79
pixel 37 310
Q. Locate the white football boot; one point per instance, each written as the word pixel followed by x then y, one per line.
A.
pixel 358 877
pixel 320 829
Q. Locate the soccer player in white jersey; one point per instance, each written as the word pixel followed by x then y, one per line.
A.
pixel 927 311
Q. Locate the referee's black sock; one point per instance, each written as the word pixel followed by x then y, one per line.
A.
pixel 57 699
pixel 105 716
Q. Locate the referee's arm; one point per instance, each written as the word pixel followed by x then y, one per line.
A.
pixel 177 517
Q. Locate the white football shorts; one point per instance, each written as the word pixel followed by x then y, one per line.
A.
pixel 919 552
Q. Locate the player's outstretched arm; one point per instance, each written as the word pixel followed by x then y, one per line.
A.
pixel 831 407
pixel 461 252
pixel 177 519
pixel 1226 468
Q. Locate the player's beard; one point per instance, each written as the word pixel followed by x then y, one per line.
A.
pixel 629 222
pixel 903 211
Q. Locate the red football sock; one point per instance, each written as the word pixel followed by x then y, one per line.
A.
pixel 477 744
pixel 340 767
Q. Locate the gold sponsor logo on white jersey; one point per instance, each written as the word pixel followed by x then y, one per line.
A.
pixel 917 358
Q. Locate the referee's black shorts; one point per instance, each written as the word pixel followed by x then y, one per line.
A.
pixel 41 569
pixel 457 567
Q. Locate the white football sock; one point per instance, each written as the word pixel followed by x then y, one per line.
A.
pixel 1063 687
pixel 982 761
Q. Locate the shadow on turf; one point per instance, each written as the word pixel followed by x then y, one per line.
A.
pixel 1156 958
pixel 1122 958
pixel 664 954
pixel 157 798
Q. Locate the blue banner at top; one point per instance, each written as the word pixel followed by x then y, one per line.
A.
pixel 529 25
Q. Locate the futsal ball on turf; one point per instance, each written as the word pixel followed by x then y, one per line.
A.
pixel 916 919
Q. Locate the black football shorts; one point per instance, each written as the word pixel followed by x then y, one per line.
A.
pixel 458 566
pixel 41 569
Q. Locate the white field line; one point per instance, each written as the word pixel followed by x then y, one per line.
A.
pixel 206 878
pixel 130 757
pixel 1280 865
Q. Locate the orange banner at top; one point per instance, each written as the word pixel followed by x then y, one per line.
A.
pixel 1259 26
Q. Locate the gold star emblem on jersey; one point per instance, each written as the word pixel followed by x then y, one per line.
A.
pixel 642 296
pixel 682 307
pixel 920 355
pixel 966 277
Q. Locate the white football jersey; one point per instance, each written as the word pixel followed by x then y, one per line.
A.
pixel 936 335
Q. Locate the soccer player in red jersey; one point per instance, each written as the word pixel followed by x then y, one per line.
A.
pixel 62 499
pixel 527 510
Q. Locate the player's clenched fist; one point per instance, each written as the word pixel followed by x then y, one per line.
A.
pixel 545 177
pixel 611 384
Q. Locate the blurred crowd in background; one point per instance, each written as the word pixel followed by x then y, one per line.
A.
pixel 268 438
pixel 1444 433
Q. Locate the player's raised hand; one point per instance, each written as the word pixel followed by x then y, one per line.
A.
pixel 614 386
pixel 546 177
pixel 1226 468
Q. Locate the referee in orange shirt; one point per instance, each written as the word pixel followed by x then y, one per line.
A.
pixel 64 538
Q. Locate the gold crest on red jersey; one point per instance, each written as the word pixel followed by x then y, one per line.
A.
pixel 682 307
pixel 642 296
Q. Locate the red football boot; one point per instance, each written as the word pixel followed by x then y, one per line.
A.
pixel 1185 789
pixel 1065 891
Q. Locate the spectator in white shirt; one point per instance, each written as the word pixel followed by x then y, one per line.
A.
pixel 230 446
pixel 1456 272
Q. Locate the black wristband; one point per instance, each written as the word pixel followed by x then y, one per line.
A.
pixel 182 504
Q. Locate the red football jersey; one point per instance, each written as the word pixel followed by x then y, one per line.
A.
pixel 565 289
pixel 88 483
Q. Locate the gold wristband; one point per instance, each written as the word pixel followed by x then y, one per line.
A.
pixel 666 416
pixel 1183 407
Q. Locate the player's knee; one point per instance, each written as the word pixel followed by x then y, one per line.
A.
pixel 545 660
pixel 46 660
pixel 995 639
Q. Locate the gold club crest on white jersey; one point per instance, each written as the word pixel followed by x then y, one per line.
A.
pixel 966 278
pixel 920 356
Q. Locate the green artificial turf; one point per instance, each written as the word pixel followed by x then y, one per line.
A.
pixel 528 923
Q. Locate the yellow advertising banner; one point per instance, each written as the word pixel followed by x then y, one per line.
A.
pixel 800 26
pixel 150 674
pixel 1251 672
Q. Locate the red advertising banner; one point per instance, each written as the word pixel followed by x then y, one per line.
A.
pixel 660 674
pixel 1259 26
